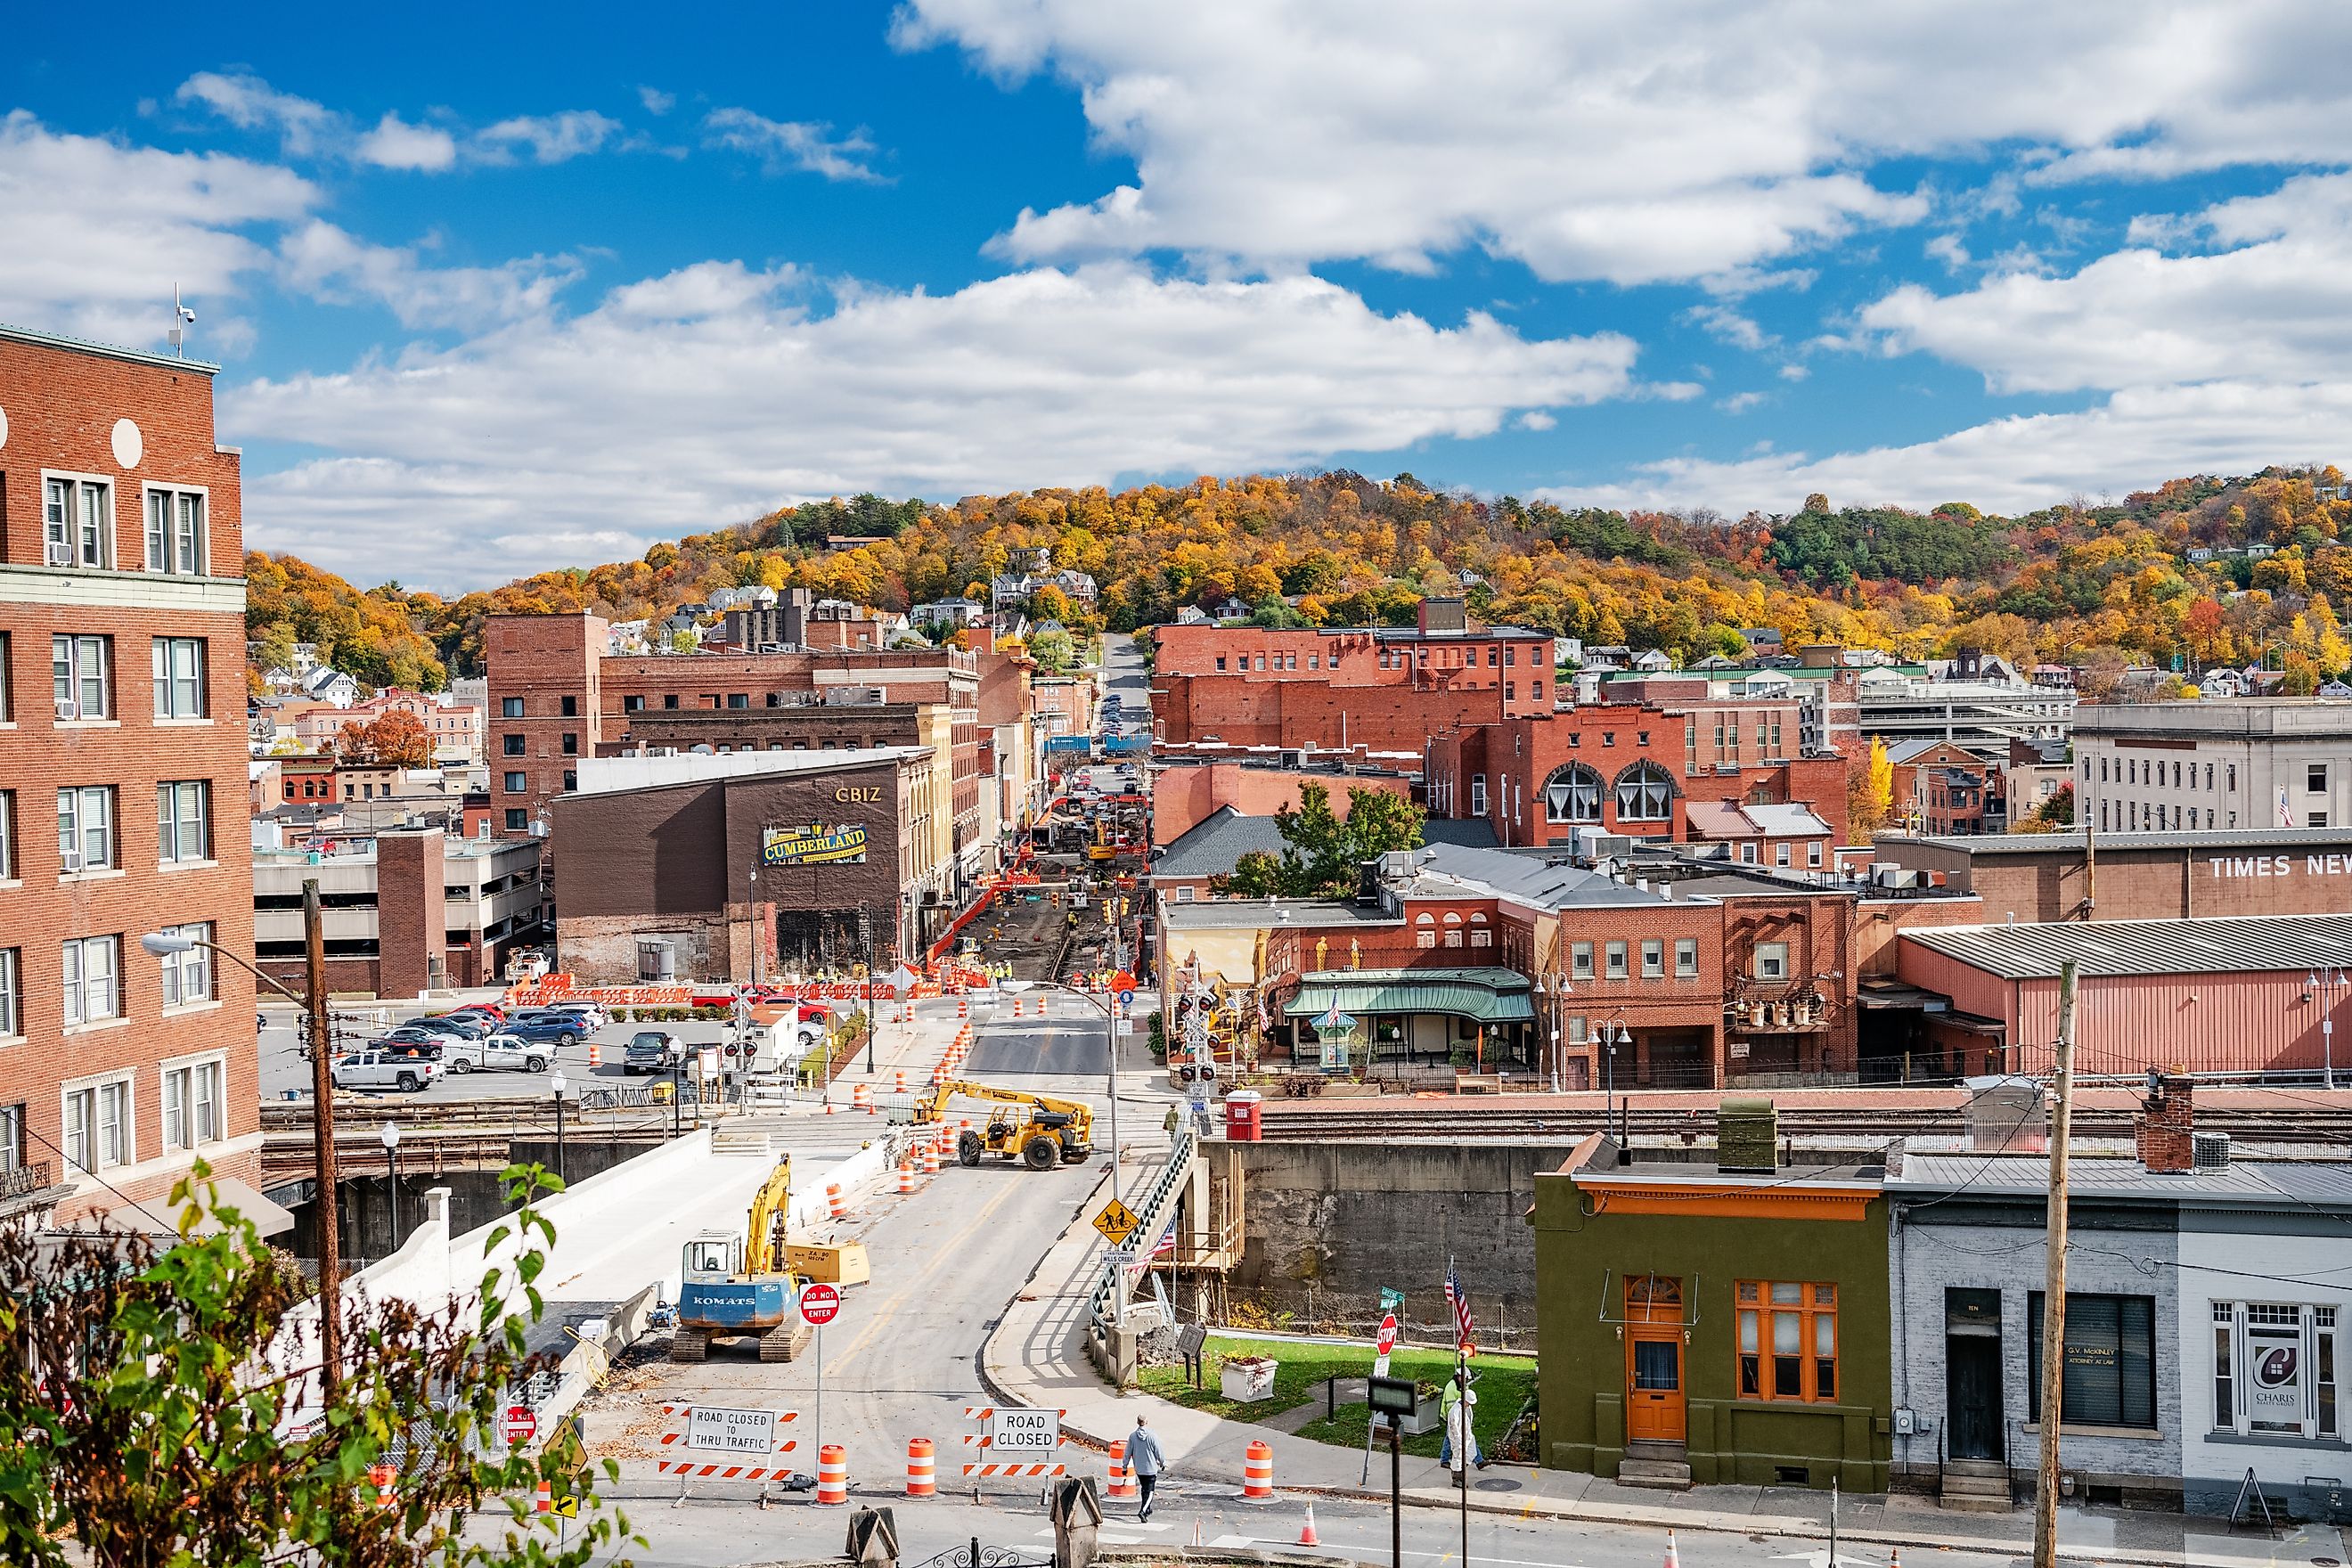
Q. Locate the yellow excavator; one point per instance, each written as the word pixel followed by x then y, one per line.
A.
pixel 1055 1132
pixel 738 1284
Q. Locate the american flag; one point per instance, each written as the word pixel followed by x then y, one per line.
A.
pixel 1457 1299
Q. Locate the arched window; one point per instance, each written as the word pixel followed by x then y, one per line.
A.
pixel 1572 794
pixel 1452 918
pixel 1644 793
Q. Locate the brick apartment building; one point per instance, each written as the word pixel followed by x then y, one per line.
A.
pixel 1366 688
pixel 556 695
pixel 123 793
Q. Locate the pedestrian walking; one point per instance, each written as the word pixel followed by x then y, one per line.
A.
pixel 1146 1459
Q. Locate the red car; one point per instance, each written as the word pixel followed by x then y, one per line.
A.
pixel 487 1009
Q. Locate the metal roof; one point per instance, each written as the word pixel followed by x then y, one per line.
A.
pixel 1214 844
pixel 108 351
pixel 1550 885
pixel 1488 995
pixel 2265 1184
pixel 2206 945
pixel 1269 914
pixel 2111 843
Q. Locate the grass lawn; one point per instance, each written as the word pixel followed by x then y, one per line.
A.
pixel 1503 1383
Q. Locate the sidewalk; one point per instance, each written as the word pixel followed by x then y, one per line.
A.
pixel 1038 1357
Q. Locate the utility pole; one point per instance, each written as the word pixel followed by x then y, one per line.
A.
pixel 2053 1290
pixel 322 1130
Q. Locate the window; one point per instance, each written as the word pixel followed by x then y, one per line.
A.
pixel 1259 663
pixel 1184 895
pixel 1580 960
pixel 12 1136
pixel 1221 664
pixel 1426 937
pixel 98 1124
pixel 192 1105
pixel 572 706
pixel 2229 771
pixel 12 991
pixel 1781 852
pixel 2274 1369
pixel 1578 1029
pixel 2209 777
pixel 2314 777
pixel 637 704
pixel 1771 960
pixel 1813 850
pixel 511 745
pixel 1690 742
pixel 183 818
pixel 81 669
pixel 92 984
pixel 2109 1377
pixel 2103 769
pixel 188 976
pixel 1535 689
pixel 1477 795
pixel 517 784
pixel 571 778
pixel 1788 1340
pixel 179 677
pixel 175 532
pixel 669 699
pixel 1616 954
pixel 1572 795
pixel 571 744
pixel 1685 957
pixel 1654 958
pixel 509 707
pixel 1511 692
pixel 7 845
pixel 517 820
pixel 2315 819
pixel 734 700
pixel 85 829
pixel 1644 793
pixel 78 523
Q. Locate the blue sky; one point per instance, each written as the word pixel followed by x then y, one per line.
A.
pixel 507 289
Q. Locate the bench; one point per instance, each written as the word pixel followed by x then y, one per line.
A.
pixel 1477 1083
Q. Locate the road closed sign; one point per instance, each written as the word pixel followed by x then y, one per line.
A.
pixel 715 1428
pixel 1024 1431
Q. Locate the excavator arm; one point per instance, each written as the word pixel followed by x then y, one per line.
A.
pixel 764 1233
pixel 932 1106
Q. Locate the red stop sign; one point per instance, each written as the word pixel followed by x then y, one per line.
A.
pixel 820 1304
pixel 1387 1342
pixel 521 1426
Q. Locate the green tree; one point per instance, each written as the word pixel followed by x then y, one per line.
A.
pixel 1321 853
pixel 1054 652
pixel 159 1409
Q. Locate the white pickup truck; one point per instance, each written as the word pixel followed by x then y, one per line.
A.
pixel 511 1052
pixel 377 1069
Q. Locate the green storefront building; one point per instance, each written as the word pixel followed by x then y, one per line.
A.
pixel 1699 1324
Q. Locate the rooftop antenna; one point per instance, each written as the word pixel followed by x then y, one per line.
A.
pixel 182 317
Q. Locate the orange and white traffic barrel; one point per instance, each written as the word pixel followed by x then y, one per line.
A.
pixel 383 1476
pixel 833 1474
pixel 932 1157
pixel 835 1205
pixel 542 1497
pixel 922 1475
pixel 595 1056
pixel 861 1098
pixel 905 1176
pixel 1257 1471
pixel 1122 1473
pixel 900 1082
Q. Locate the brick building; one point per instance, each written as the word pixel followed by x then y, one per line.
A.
pixel 1185 793
pixel 2141 875
pixel 404 911
pixel 1363 688
pixel 1940 787
pixel 816 843
pixel 123 785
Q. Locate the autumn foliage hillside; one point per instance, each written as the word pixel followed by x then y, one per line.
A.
pixel 2099 586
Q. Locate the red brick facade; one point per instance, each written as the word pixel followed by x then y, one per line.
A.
pixel 119 428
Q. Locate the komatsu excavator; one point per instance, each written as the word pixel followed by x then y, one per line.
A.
pixel 1055 1131
pixel 732 1284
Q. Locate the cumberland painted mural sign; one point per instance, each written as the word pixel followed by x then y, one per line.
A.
pixel 842 844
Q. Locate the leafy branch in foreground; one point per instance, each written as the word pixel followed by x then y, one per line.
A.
pixel 160 1407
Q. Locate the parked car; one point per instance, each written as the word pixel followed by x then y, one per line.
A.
pixel 490 1010
pixel 414 1045
pixel 377 1069
pixel 653 1051
pixel 590 1014
pixel 463 1025
pixel 506 1052
pixel 543 1025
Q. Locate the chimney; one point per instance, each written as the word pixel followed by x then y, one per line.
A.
pixel 1746 1136
pixel 2166 1127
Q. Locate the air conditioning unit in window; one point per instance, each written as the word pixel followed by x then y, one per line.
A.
pixel 61 554
pixel 69 709
pixel 69 861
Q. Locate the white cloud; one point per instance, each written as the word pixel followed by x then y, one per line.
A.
pixel 326 263
pixel 690 400
pixel 782 144
pixel 396 144
pixel 655 100
pixel 1728 326
pixel 2137 438
pixel 1537 420
pixel 1682 140
pixel 2278 304
pixel 551 138
pixel 105 269
pixel 246 101
pixel 1741 402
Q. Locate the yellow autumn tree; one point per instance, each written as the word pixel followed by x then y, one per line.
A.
pixel 1870 794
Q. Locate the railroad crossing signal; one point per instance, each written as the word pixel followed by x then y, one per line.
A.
pixel 1116 1222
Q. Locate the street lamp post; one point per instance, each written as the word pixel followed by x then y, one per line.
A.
pixel 752 909
pixel 391 1177
pixel 556 1083
pixel 2327 988
pixel 165 943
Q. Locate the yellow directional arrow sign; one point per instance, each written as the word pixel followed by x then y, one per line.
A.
pixel 1116 1222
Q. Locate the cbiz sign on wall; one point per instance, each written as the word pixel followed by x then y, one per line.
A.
pixel 844 844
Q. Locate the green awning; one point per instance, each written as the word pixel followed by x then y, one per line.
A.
pixel 1484 995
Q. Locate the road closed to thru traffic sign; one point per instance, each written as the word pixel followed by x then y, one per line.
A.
pixel 1024 1431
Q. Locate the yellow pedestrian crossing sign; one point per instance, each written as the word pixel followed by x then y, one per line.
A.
pixel 1116 1222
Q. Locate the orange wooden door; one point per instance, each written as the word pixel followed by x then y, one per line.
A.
pixel 1655 1412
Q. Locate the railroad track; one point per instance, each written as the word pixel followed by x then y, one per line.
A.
pixel 2301 1126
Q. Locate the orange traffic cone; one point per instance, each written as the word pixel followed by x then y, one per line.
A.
pixel 1307 1532
pixel 1674 1558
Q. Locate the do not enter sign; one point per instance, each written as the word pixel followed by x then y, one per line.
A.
pixel 820 1304
pixel 520 1424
